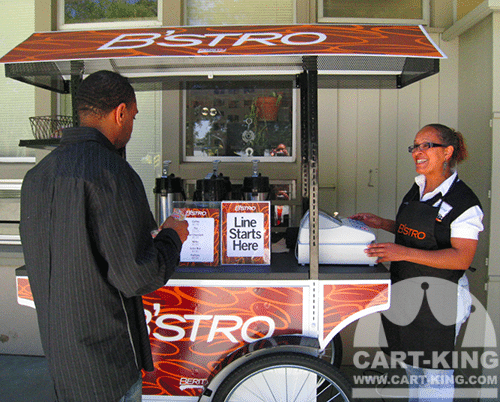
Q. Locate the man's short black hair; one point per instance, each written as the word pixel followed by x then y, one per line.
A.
pixel 103 91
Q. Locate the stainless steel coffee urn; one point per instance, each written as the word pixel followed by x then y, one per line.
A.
pixel 168 189
pixel 256 187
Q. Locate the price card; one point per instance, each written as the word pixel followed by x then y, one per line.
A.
pixel 245 232
pixel 203 243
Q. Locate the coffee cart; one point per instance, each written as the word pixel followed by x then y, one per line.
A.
pixel 246 331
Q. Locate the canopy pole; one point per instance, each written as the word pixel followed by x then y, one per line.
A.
pixel 309 137
pixel 77 68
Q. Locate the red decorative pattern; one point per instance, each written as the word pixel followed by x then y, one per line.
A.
pixel 193 328
pixel 24 289
pixel 342 301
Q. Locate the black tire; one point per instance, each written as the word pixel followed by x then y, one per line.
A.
pixel 285 377
pixel 333 352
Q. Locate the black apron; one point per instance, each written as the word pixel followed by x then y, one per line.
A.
pixel 411 327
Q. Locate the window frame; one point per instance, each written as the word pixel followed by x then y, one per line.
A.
pixel 243 159
pixel 81 26
pixel 186 11
pixel 458 7
pixel 425 20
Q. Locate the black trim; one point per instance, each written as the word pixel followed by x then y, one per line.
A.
pixel 416 69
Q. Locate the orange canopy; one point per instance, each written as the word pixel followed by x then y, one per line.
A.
pixel 49 59
pixel 345 40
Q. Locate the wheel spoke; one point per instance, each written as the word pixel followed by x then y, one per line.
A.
pixel 307 382
pixel 264 375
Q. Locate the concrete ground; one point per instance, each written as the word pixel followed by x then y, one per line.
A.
pixel 26 379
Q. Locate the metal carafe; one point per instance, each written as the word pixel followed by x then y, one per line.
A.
pixel 256 187
pixel 168 189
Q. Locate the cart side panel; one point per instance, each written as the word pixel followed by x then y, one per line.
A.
pixel 192 329
pixel 344 303
pixel 24 295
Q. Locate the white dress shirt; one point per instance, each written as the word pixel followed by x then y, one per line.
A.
pixel 467 225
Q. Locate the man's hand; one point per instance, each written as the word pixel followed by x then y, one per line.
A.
pixel 180 226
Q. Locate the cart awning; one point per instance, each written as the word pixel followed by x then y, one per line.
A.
pixel 355 55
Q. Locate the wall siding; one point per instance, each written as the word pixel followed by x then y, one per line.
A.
pixel 17 98
pixel 369 130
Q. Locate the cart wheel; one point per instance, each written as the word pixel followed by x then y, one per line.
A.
pixel 333 352
pixel 285 377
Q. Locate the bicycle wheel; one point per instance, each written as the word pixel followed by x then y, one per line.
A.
pixel 333 352
pixel 285 377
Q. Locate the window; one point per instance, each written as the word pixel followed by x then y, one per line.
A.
pixel 463 7
pixel 94 13
pixel 237 120
pixel 230 12
pixel 380 11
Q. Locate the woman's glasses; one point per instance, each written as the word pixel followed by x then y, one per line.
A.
pixel 424 146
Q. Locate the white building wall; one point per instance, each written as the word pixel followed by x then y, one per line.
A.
pixel 475 107
pixel 494 253
pixel 18 324
pixel 364 135
pixel 16 99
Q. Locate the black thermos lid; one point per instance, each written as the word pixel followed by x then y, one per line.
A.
pixel 256 184
pixel 212 189
pixel 168 184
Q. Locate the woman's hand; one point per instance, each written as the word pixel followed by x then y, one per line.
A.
pixel 386 252
pixel 459 256
pixel 375 222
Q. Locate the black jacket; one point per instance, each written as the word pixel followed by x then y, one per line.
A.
pixel 86 233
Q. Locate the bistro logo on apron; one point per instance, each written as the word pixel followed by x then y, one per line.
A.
pixel 406 231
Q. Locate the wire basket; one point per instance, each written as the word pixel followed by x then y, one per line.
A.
pixel 45 127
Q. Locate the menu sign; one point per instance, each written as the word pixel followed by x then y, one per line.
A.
pixel 203 243
pixel 245 232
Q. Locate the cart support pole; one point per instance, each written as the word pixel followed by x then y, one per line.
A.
pixel 309 95
pixel 76 79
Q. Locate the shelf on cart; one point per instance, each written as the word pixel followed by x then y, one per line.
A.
pixel 283 266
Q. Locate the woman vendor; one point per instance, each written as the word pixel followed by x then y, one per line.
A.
pixel 436 228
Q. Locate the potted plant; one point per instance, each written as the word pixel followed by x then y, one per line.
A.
pixel 267 107
pixel 263 113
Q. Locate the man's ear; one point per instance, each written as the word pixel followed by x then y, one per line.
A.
pixel 119 113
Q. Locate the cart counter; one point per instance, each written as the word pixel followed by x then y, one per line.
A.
pixel 283 266
pixel 208 320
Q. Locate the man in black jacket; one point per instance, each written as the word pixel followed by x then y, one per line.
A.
pixel 86 229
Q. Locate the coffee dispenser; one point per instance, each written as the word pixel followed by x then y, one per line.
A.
pixel 168 189
pixel 214 187
pixel 256 187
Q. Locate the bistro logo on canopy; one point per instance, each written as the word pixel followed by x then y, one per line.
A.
pixel 171 39
pixel 271 40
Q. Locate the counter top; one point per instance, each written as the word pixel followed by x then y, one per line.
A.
pixel 283 266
